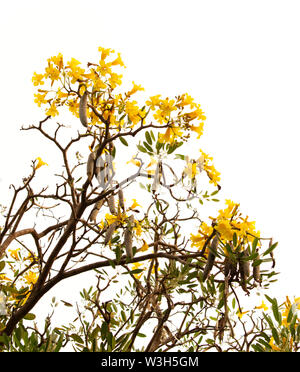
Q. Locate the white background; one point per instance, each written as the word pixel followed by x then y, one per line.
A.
pixel 239 59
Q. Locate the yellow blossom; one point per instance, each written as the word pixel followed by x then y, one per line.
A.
pixel 111 218
pixel 170 135
pixel 40 163
pixel 240 314
pixel 135 162
pixel 15 253
pixel 40 99
pixel 135 89
pixel 263 306
pixel 133 111
pixel 57 60
pixel 135 204
pixel 144 247
pixel 137 266
pixel 225 229
pixel 31 277
pixel 138 228
pixel 105 52
pixel 118 61
pixel 37 79
pixel 52 72
pixel 153 102
pixel 115 80
pixel 52 111
pixel 75 71
pixel 198 129
pixel 273 346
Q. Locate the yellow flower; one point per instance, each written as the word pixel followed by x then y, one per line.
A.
pixel 170 135
pixel 209 168
pixel 105 52
pixel 52 111
pixel 135 162
pixel 138 228
pixel 144 247
pixel 15 253
pixel 198 130
pixel 118 61
pixel 136 266
pixel 273 346
pixel 114 80
pixel 110 218
pixel 185 100
pixel 225 229
pixel 263 306
pixel 135 204
pixel 191 170
pixel 40 163
pixel 135 89
pixel 57 60
pixel 4 277
pixel 133 111
pixel 40 99
pixel 241 313
pixel 153 102
pixel 52 72
pixel 75 71
pixel 37 79
pixel 31 277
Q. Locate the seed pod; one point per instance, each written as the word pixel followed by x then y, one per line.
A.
pixel 121 199
pixel 100 171
pixel 109 232
pixel 90 166
pixel 244 266
pixel 96 210
pixel 220 327
pixel 157 177
pixel 256 272
pixel 211 257
pixel 227 266
pixel 83 109
pixel 128 237
pixel 111 205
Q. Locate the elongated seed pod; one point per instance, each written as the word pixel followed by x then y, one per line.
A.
pixel 157 177
pixel 83 109
pixel 256 272
pixel 211 257
pixel 100 171
pixel 109 232
pixel 227 266
pixel 96 210
pixel 244 266
pixel 128 237
pixel 111 205
pixel 90 166
pixel 121 199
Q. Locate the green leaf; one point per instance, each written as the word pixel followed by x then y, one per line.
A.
pixel 2 265
pixel 148 147
pixel 59 344
pixel 29 316
pixel 148 138
pixel 276 336
pixel 269 250
pixel 123 141
pixel 141 148
pixel 276 313
pixel 234 239
pixel 254 244
pixel 290 314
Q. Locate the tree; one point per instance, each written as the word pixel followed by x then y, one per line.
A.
pixel 175 277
